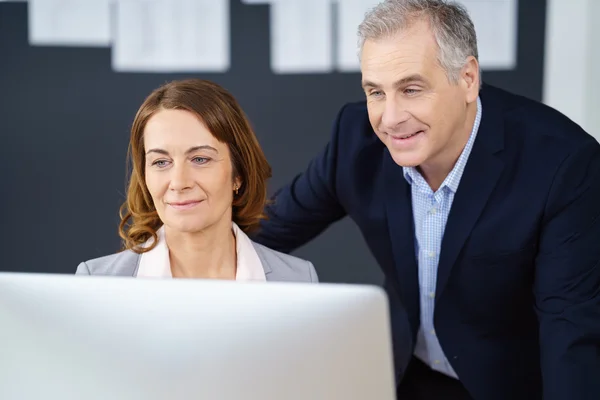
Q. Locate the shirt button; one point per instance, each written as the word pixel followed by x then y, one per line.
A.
pixel 433 332
pixel 432 295
pixel 436 361
pixel 433 211
pixel 432 254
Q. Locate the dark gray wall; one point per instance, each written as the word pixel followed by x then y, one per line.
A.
pixel 65 118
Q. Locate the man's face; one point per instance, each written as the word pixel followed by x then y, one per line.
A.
pixel 413 107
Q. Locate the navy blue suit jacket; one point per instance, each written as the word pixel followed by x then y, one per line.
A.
pixel 518 293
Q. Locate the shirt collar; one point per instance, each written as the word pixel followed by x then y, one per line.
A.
pixel 156 263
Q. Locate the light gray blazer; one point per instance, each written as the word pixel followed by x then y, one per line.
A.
pixel 278 266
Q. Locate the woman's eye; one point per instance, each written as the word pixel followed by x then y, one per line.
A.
pixel 200 160
pixel 160 163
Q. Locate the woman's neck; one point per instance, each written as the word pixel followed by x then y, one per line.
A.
pixel 207 254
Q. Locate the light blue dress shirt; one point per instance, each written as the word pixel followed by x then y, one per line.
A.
pixel 430 213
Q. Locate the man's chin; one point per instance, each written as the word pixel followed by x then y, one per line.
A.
pixel 407 160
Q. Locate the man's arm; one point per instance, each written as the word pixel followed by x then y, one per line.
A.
pixel 567 280
pixel 308 205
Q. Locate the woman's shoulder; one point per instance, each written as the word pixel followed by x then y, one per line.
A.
pixel 284 267
pixel 124 263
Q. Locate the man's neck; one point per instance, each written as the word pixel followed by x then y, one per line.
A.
pixel 435 171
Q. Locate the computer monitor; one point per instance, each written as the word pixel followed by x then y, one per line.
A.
pixel 81 337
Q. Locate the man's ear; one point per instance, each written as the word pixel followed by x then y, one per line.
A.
pixel 470 79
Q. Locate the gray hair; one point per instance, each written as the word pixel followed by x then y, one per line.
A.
pixel 452 28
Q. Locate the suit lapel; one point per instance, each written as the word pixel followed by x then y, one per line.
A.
pixel 401 230
pixel 263 260
pixel 479 179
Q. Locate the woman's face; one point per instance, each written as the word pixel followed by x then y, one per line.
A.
pixel 188 172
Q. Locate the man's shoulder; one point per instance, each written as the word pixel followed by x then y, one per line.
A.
pixel 355 109
pixel 535 121
pixel 122 263
pixel 353 132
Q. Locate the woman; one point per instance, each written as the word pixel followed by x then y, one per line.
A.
pixel 198 185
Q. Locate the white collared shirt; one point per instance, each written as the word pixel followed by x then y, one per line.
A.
pixel 156 263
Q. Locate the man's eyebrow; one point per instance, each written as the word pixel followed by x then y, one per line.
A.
pixel 414 78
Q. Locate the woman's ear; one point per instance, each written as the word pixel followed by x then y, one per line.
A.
pixel 237 184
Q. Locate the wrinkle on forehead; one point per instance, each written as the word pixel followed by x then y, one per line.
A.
pixel 410 51
pixel 409 48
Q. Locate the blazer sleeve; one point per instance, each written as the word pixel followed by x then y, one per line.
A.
pixel 304 208
pixel 82 269
pixel 567 280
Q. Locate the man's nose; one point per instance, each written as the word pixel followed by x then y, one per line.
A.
pixel 394 114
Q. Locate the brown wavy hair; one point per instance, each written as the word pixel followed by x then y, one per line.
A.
pixel 224 118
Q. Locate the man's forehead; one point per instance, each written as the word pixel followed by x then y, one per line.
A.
pixel 398 62
pixel 398 56
pixel 416 37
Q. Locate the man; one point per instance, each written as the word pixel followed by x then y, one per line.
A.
pixel 481 207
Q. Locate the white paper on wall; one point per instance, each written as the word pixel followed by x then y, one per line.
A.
pixel 171 36
pixel 496 26
pixel 303 39
pixel 301 36
pixel 69 22
pixel 350 14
